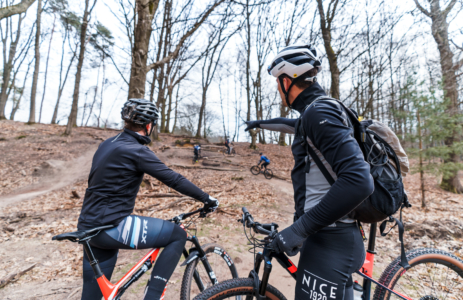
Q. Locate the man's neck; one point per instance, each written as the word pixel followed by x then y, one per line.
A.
pixel 307 96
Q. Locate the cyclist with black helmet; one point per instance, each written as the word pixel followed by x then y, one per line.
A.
pixel 117 171
pixel 330 242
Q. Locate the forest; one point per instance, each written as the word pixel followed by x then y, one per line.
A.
pixel 204 65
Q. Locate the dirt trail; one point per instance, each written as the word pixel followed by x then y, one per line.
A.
pixel 64 173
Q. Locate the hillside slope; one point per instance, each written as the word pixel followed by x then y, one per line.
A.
pixel 43 179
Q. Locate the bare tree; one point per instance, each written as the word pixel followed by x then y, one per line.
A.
pixel 10 10
pixel 439 29
pixel 70 23
pixel 83 40
pixel 35 79
pixel 8 60
pixel 145 11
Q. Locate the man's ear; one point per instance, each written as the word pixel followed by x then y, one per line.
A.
pixel 286 83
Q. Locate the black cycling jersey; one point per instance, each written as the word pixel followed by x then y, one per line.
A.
pixel 117 171
pixel 327 130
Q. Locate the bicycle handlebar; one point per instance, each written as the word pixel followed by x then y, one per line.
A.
pixel 183 216
pixel 249 222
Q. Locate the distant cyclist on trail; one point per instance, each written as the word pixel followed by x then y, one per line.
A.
pixel 117 171
pixel 265 161
pixel 196 152
pixel 330 242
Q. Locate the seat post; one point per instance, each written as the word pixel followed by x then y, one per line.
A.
pixel 93 262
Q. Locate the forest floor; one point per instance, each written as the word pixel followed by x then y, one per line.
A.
pixel 43 176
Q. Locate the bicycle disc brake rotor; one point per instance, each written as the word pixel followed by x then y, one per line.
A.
pixel 429 298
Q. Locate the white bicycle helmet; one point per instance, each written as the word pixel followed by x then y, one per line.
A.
pixel 295 62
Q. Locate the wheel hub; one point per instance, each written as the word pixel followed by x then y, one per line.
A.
pixel 429 298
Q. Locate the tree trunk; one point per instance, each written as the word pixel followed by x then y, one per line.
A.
pixel 145 10
pixel 46 69
pixel 332 57
pixel 439 27
pixel 283 113
pixel 62 83
pixel 202 113
pixel 72 120
pixel 7 69
pixel 16 106
pixel 37 64
pixel 423 196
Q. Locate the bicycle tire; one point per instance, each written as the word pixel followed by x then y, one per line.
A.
pixel 234 288
pixel 188 280
pixel 268 174
pixel 255 170
pixel 233 151
pixel 418 258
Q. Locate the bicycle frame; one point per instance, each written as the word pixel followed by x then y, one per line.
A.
pixel 366 271
pixel 115 291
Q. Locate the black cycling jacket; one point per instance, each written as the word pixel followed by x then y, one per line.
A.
pixel 327 130
pixel 117 171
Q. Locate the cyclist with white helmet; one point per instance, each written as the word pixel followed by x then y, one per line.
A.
pixel 117 171
pixel 330 242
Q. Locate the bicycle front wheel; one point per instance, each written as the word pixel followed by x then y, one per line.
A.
pixel 255 170
pixel 196 279
pixel 433 275
pixel 268 174
pixel 235 288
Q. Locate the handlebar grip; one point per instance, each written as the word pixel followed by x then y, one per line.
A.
pixel 245 210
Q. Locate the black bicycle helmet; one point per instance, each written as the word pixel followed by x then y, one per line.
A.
pixel 140 111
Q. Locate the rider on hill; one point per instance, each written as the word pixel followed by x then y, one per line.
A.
pixel 330 242
pixel 117 171
pixel 197 152
pixel 265 161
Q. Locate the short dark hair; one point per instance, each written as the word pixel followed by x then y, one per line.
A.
pixel 133 126
pixel 302 84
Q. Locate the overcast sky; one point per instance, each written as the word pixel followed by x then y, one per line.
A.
pixel 115 92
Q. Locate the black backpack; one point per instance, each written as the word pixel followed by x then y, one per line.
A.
pixel 389 195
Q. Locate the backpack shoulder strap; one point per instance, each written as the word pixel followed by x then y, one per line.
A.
pixel 300 130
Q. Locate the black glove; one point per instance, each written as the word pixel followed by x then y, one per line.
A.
pixel 288 240
pixel 252 125
pixel 210 205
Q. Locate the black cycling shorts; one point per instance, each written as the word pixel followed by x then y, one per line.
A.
pixel 135 232
pixel 328 259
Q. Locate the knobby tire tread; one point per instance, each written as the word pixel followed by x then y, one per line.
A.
pixel 237 287
pixel 390 275
pixel 188 280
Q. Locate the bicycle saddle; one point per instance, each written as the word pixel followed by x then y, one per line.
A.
pixel 79 235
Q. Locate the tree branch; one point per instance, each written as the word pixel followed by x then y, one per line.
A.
pixel 19 8
pixel 424 11
pixel 449 7
pixel 190 32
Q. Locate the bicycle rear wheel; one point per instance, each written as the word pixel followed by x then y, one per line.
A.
pixel 221 263
pixel 237 289
pixel 268 174
pixel 255 170
pixel 434 275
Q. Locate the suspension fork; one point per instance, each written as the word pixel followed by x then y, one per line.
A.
pixel 267 258
pixel 202 256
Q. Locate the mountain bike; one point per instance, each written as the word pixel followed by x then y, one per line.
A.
pixel 256 170
pixel 432 275
pixel 202 274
